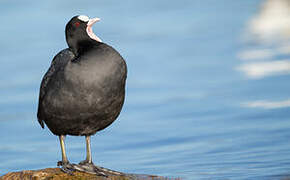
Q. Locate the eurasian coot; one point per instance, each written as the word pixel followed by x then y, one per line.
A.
pixel 83 91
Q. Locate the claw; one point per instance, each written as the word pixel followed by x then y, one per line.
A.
pixel 66 167
pixel 60 163
pixel 67 170
pixel 87 167
pixel 85 162
pixel 108 171
pixel 99 171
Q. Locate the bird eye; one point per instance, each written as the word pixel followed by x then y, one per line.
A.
pixel 77 24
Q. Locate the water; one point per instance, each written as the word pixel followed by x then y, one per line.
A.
pixel 189 111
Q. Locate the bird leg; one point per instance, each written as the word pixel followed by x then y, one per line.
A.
pixel 89 153
pixel 63 153
pixel 85 166
pixel 88 166
pixel 65 165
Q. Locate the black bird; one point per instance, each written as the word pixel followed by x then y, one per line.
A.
pixel 83 91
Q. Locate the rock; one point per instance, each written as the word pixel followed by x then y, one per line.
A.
pixel 57 174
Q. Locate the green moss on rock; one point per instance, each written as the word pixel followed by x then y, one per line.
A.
pixel 57 174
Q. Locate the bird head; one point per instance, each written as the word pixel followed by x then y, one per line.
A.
pixel 79 30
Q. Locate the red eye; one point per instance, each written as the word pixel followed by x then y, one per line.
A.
pixel 77 24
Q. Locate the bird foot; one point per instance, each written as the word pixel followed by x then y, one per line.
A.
pixel 85 162
pixel 85 166
pixel 67 167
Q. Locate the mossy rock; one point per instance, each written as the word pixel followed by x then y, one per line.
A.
pixel 57 174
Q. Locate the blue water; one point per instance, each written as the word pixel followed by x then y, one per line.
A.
pixel 185 114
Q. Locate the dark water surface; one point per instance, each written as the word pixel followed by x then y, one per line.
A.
pixel 188 113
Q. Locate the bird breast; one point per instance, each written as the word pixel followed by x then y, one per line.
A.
pixel 94 71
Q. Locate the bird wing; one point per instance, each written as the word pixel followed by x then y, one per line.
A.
pixel 58 63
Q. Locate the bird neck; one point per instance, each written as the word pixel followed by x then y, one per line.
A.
pixel 80 47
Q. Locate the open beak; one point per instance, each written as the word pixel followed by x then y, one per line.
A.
pixel 90 29
pixel 93 21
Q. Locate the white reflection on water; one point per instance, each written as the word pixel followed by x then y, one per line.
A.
pixel 273 21
pixel 267 52
pixel 256 54
pixel 269 30
pixel 268 104
pixel 264 53
pixel 263 69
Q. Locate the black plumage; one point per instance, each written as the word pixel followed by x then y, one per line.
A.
pixel 83 91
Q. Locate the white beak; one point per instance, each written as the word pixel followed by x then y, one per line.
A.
pixel 90 30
